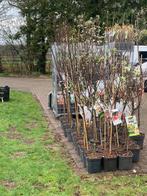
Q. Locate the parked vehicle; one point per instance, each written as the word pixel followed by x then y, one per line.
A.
pixel 144 70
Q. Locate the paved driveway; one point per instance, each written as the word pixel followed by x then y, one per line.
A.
pixel 39 87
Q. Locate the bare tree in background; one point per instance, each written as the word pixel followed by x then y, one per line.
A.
pixel 3 17
pixel 3 8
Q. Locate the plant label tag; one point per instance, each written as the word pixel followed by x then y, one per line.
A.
pixel 132 125
pixel 116 117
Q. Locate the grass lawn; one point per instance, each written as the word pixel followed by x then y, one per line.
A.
pixel 31 163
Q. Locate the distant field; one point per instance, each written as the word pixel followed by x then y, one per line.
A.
pixel 15 65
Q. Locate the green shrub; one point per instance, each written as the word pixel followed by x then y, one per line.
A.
pixel 143 37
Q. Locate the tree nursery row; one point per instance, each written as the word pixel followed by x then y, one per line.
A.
pixel 99 94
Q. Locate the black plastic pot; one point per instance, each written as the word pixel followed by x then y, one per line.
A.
pixel 50 101
pixel 72 108
pixel 78 149
pixel 136 154
pixel 69 136
pixel 82 155
pixel 65 132
pixel 75 142
pixel 63 119
pixel 93 165
pixel 73 135
pixel 65 127
pixel 139 139
pixel 125 162
pixel 84 159
pixel 145 86
pixel 110 164
pixel 5 93
pixel 60 109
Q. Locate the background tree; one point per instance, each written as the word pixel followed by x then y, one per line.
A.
pixel 3 17
pixel 115 11
pixel 43 17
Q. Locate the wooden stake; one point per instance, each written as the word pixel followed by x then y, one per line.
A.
pixel 77 116
pixel 105 134
pixel 117 137
pixel 110 141
pixel 94 126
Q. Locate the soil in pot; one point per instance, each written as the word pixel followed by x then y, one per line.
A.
pixel 125 161
pixel 110 162
pixel 94 163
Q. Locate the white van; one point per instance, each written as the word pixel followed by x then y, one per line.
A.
pixel 140 52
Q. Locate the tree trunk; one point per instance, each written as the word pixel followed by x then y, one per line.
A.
pixel 1 66
pixel 41 62
pixel 30 56
pixel 77 116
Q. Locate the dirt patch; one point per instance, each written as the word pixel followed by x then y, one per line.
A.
pixel 77 191
pixel 18 155
pixel 12 132
pixel 39 186
pixel 31 125
pixel 57 137
pixel 12 129
pixel 8 184
pixel 73 162
pixel 52 147
pixel 61 188
pixel 28 141
pixel 14 136
pixel 46 137
pixel 2 134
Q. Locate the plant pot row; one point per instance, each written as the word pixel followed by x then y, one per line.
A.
pixel 106 163
pixel 102 162
pixel 61 110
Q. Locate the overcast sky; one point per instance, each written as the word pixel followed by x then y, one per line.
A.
pixel 11 23
pixel 13 14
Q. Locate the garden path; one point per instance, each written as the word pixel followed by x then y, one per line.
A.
pixel 40 87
